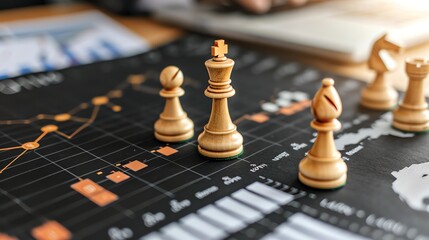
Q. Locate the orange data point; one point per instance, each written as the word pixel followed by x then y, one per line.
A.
pixel 30 145
pixel 259 118
pixel 117 108
pixel 304 103
pixel 117 177
pixel 136 165
pixel 136 79
pixel 104 198
pixel 51 230
pixel 62 117
pixel 297 107
pixel 286 111
pixel 167 151
pixel 87 187
pixel 49 128
pixel 94 192
pixel 102 100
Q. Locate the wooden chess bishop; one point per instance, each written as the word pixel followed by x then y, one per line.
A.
pixel 323 166
pixel 412 114
pixel 173 124
pixel 220 138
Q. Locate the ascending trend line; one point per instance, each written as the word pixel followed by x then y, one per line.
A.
pixel 28 145
pixel 134 80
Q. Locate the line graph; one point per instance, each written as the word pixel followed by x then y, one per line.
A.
pixel 96 103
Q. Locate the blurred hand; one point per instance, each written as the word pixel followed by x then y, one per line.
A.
pixel 263 6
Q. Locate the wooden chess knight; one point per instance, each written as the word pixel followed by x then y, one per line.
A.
pixel 220 138
pixel 323 166
pixel 380 94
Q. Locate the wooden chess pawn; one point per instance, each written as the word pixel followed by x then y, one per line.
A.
pixel 412 114
pixel 220 138
pixel 323 166
pixel 380 94
pixel 173 124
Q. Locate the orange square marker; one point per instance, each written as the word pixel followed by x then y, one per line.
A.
pixel 305 103
pixel 7 237
pixel 167 151
pixel 117 177
pixel 87 187
pixel 297 107
pixel 135 165
pixel 259 118
pixel 51 230
pixel 287 111
pixel 104 198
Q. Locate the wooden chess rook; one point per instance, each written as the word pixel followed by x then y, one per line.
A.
pixel 412 114
pixel 323 166
pixel 380 94
pixel 173 124
pixel 220 138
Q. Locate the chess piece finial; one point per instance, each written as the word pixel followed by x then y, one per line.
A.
pixel 173 124
pixel 220 138
pixel 219 49
pixel 380 94
pixel 412 114
pixel 323 166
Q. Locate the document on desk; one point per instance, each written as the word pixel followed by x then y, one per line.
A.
pixel 59 42
pixel 339 30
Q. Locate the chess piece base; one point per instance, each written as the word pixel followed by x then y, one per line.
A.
pixel 379 101
pixel 220 145
pixel 226 155
pixel 323 173
pixel 411 119
pixel 323 184
pixel 377 105
pixel 408 127
pixel 173 139
pixel 178 130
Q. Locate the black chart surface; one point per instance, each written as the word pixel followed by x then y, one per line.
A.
pixel 78 158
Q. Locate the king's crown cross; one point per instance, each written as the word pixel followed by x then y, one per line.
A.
pixel 219 49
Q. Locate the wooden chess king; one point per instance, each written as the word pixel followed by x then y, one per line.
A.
pixel 220 138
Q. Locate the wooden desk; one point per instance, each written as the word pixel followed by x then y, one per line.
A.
pixel 157 34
